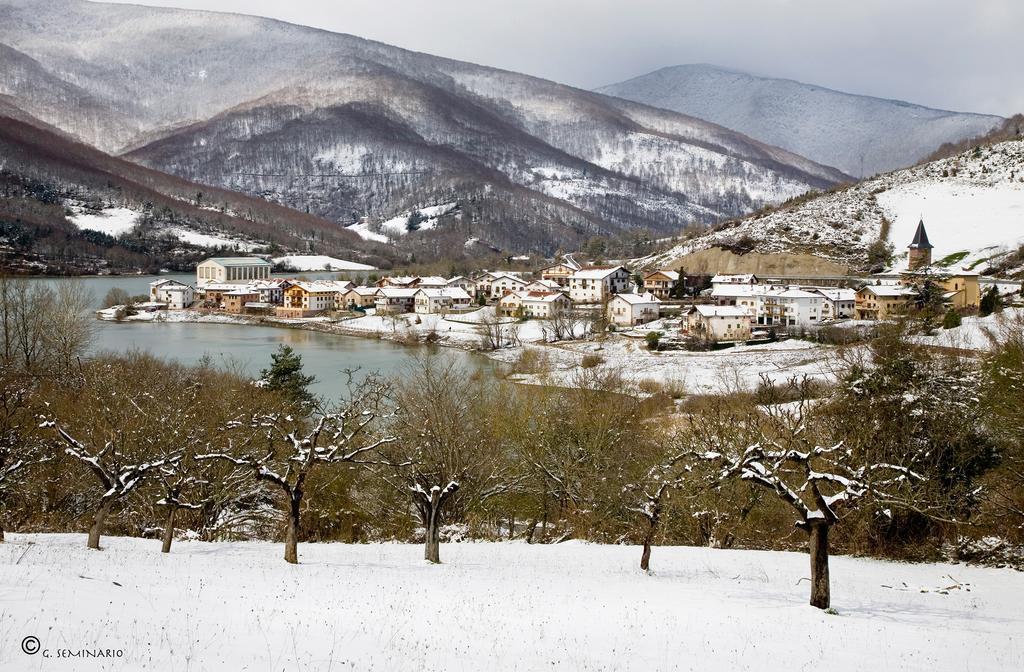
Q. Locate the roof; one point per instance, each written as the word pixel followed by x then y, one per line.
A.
pixel 549 284
pixel 433 280
pixel 637 299
pixel 596 272
pixel 707 310
pixel 543 297
pixel 158 283
pixel 671 275
pixel 238 261
pixel 738 290
pixel 397 292
pixel 321 286
pixel 840 294
pixel 920 241
pixel 450 292
pixel 219 287
pixel 746 278
pixel 242 292
pixel 889 290
pixel 793 293
pixel 364 291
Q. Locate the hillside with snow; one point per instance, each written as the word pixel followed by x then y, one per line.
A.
pixel 972 205
pixel 860 135
pixel 342 127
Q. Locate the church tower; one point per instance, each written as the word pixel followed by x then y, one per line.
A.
pixel 920 249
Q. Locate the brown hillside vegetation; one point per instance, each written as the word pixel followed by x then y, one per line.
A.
pixel 1011 129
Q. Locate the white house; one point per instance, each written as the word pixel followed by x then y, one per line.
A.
pixel 631 309
pixel 741 279
pixel 839 303
pixel 395 299
pixel 595 284
pixel 232 269
pixel 361 296
pixel 270 291
pixel 543 286
pixel 543 305
pixel 560 272
pixel 177 295
pixel 740 295
pixel 430 300
pixel 464 283
pixel 717 323
pixel 431 281
pixel 503 283
pixel 789 307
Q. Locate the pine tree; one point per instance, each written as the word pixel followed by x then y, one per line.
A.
pixel 989 301
pixel 951 319
pixel 285 376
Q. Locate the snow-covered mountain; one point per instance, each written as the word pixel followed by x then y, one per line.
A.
pixel 972 205
pixel 341 127
pixel 860 135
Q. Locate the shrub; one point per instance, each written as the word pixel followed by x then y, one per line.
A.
pixel 590 361
pixel 951 319
pixel 653 339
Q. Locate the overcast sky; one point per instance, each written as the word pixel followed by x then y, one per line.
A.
pixel 965 55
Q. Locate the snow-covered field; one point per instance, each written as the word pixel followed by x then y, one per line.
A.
pixel 491 606
pixel 715 372
pixel 113 221
pixel 396 227
pixel 976 333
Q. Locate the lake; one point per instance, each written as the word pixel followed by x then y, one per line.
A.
pixel 247 348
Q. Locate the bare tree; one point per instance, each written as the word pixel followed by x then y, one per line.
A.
pixel 20 446
pixel 116 473
pixel 818 481
pixel 295 447
pixel 445 455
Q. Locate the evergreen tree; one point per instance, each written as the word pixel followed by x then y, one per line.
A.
pixel 285 376
pixel 951 319
pixel 989 301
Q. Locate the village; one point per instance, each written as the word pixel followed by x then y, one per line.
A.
pixel 716 311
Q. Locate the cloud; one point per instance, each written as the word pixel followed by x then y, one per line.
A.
pixel 949 54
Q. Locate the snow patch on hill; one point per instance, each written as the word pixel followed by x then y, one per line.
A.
pixel 319 262
pixel 113 221
pixel 398 225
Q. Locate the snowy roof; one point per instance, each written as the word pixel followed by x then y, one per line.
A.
pixel 637 299
pixel 433 281
pixel 219 287
pixel 542 297
pixel 671 275
pixel 732 290
pixel 889 290
pixel 165 281
pixel 397 292
pixel 239 261
pixel 792 293
pixel 707 310
pixel 840 294
pixel 548 284
pixel 241 292
pixel 364 291
pixel 596 272
pixel 321 286
pixel 450 292
pixel 746 278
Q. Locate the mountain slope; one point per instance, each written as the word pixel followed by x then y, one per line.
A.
pixel 343 127
pixel 67 207
pixel 972 205
pixel 860 135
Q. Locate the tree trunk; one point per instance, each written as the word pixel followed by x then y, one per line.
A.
pixel 97 526
pixel 432 547
pixel 291 535
pixel 645 557
pixel 1 531
pixel 169 529
pixel 820 594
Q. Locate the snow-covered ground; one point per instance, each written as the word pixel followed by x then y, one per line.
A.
pixel 715 372
pixel 493 606
pixel 976 333
pixel 116 221
pixel 320 262
pixel 113 221
pixel 397 226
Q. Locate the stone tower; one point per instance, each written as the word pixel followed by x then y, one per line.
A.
pixel 920 249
